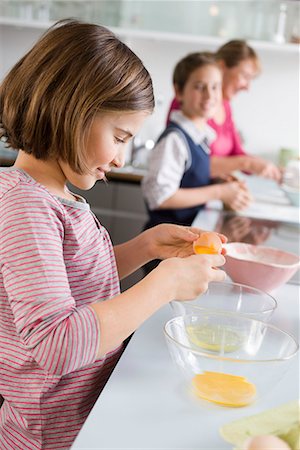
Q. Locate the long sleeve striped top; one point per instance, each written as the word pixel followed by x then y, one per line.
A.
pixel 55 259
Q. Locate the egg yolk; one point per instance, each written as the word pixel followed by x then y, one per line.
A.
pixel 224 389
pixel 208 243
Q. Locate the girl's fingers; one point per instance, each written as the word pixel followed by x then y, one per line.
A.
pixel 220 260
pixel 223 251
pixel 208 260
pixel 187 233
pixel 218 275
pixel 198 232
pixel 195 230
pixel 222 237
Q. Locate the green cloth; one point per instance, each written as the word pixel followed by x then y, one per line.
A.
pixel 282 421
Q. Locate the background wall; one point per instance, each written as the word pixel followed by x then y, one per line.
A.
pixel 267 116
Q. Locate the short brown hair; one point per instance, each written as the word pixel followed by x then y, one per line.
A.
pixel 50 97
pixel 236 51
pixel 188 64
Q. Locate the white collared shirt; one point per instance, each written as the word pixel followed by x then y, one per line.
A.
pixel 170 158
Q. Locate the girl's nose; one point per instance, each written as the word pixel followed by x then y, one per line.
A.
pixel 119 160
pixel 246 85
pixel 208 93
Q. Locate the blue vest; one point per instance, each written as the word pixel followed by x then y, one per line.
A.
pixel 197 174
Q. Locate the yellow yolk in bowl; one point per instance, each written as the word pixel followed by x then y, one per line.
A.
pixel 208 243
pixel 224 389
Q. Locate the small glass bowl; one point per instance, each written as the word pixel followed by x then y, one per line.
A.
pixel 231 298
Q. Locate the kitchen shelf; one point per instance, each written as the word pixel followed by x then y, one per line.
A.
pixel 160 36
pixel 21 23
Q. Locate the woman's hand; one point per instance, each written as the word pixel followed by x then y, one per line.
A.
pixel 264 168
pixel 186 278
pixel 168 240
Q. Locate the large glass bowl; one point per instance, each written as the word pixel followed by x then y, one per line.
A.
pixel 229 359
pixel 232 298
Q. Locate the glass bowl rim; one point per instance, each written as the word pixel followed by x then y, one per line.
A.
pixel 222 283
pixel 226 358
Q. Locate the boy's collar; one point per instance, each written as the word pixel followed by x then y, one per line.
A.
pixel 198 136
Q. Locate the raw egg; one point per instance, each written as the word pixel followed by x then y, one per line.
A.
pixel 267 442
pixel 224 389
pixel 208 243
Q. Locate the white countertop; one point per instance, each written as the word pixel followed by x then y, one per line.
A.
pixel 145 405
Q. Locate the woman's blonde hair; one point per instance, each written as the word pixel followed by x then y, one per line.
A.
pixel 51 96
pixel 235 51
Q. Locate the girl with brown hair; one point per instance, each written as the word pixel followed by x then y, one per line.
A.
pixel 70 106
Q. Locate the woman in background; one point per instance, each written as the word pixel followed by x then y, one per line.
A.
pixel 239 65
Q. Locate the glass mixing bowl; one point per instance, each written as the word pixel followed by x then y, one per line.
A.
pixel 229 359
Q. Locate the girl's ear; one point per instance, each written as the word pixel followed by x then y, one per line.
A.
pixel 222 65
pixel 178 93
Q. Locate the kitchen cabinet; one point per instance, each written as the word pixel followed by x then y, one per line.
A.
pixel 120 208
pixel 120 202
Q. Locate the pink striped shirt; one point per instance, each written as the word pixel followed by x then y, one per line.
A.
pixel 55 259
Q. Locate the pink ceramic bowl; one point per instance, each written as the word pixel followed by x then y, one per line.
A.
pixel 261 267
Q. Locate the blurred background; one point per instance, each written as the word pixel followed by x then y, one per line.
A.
pixel 161 32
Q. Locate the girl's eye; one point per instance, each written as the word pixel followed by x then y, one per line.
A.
pixel 200 87
pixel 119 141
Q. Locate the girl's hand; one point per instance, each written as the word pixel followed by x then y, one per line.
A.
pixel 168 240
pixel 235 195
pixel 186 278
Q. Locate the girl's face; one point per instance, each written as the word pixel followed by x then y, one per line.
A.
pixel 202 93
pixel 238 78
pixel 105 146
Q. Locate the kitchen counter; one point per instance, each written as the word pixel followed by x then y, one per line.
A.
pixel 128 174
